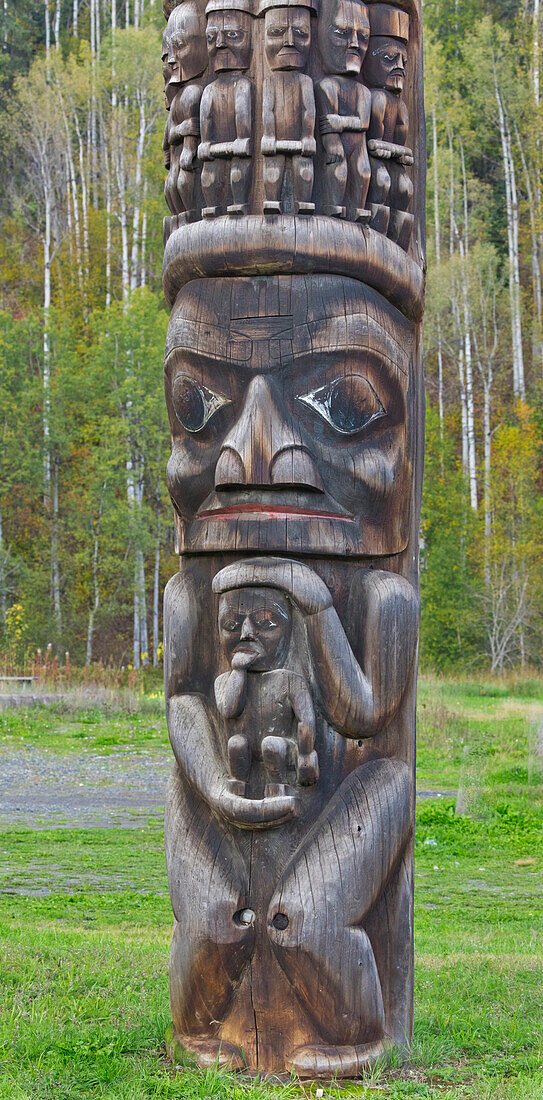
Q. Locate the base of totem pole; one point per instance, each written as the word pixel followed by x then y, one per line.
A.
pixel 322 1063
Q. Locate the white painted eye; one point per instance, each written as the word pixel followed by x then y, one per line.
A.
pixel 348 404
pixel 194 403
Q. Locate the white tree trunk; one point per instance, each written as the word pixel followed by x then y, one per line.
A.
pixel 75 18
pixel 437 232
pixel 55 569
pixel 511 200
pixel 93 610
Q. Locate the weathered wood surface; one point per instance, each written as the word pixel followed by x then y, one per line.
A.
pixel 294 266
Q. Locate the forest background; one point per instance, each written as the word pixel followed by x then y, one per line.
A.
pixel 86 532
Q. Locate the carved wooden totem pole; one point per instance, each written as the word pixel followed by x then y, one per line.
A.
pixel 294 268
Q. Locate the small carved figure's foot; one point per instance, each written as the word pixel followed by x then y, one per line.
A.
pixel 362 215
pixel 237 208
pixel 329 1061
pixel 334 211
pixel 271 790
pixel 380 215
pixel 270 207
pixel 305 208
pixel 210 211
pixel 208 1053
pixel 308 768
pixel 236 786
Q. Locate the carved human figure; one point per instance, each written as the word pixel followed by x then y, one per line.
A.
pixel 259 697
pixel 186 60
pixel 343 105
pixel 226 113
pixel 384 69
pixel 336 976
pixel 288 108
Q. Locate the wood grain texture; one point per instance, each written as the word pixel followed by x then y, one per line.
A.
pixel 294 263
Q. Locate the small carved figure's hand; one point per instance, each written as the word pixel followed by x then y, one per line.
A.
pixel 309 147
pixel 244 660
pixel 204 150
pixel 308 768
pixel 240 147
pixel 333 148
pixel 256 813
pixel 268 146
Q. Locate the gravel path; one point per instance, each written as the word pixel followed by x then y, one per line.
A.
pixel 44 789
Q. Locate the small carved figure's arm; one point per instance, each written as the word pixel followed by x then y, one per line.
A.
pixel 359 699
pixel 166 145
pixel 304 712
pixel 194 745
pixel 376 127
pixel 268 143
pixel 309 145
pixel 244 119
pixel 231 692
pixel 329 120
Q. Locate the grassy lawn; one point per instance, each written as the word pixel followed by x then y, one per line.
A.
pixel 84 946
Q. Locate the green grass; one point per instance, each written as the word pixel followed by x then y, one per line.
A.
pixel 83 969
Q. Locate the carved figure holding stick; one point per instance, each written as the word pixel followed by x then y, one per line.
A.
pixel 226 111
pixel 186 59
pixel 344 108
pixel 391 189
pixel 288 107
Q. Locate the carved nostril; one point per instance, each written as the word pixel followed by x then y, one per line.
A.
pixel 230 470
pixel 295 468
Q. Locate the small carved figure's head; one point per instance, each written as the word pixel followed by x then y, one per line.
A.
pixel 166 70
pixel 386 59
pixel 229 40
pixel 287 34
pixel 344 31
pixel 185 37
pixel 255 625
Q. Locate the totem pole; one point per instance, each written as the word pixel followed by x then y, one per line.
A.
pixel 294 266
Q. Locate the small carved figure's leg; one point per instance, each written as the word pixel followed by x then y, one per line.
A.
pixel 401 221
pixel 302 182
pixel 359 175
pixel 274 755
pixel 316 916
pixel 335 181
pixel 215 175
pixel 208 955
pixel 239 763
pixel 274 171
pixel 171 193
pixel 378 195
pixel 185 188
pixel 240 183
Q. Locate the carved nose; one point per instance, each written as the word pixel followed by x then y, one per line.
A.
pixel 289 37
pixel 247 631
pixel 264 448
pixel 354 43
pixel 219 41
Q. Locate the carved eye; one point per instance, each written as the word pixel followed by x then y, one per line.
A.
pixel 348 404
pixel 234 36
pixel 194 403
pixel 233 624
pixel 269 620
pixel 340 32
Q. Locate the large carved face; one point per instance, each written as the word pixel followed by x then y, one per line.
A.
pixel 287 35
pixel 229 40
pixel 185 36
pixel 255 625
pixel 385 63
pixel 344 32
pixel 289 413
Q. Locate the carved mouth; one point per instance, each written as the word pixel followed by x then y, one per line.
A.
pixel 271 512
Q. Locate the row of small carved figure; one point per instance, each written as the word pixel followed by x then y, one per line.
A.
pixel 356 107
